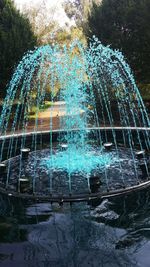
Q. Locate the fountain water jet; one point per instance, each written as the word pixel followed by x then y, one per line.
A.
pixel 99 104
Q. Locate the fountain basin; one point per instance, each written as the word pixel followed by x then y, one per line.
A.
pixel 42 139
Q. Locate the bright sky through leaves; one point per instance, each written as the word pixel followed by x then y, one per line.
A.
pixel 56 5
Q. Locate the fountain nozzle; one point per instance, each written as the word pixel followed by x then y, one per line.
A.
pixel 108 146
pixel 25 153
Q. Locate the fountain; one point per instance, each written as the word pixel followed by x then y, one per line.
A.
pixel 94 141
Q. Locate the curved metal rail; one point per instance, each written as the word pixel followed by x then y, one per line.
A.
pixel 76 197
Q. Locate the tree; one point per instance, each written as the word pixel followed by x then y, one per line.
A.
pixel 50 31
pixel 42 21
pixel 124 25
pixel 16 37
pixel 66 37
pixel 78 10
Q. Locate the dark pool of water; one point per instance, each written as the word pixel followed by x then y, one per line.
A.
pixel 110 233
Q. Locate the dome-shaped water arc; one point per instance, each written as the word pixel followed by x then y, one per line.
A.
pixel 96 89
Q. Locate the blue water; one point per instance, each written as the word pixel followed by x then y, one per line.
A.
pixel 110 234
pixel 92 82
pixel 75 159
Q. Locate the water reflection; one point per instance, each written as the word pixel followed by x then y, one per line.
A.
pixel 110 234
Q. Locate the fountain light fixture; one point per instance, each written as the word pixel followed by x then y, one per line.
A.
pixel 24 184
pixel 25 153
pixel 108 146
pixel 140 154
pixel 3 168
pixel 64 146
pixel 95 183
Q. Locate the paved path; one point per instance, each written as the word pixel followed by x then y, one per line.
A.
pixel 55 112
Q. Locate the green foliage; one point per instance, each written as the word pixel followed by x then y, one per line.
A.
pixel 145 91
pixel 65 37
pixel 124 25
pixel 34 111
pixel 16 37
